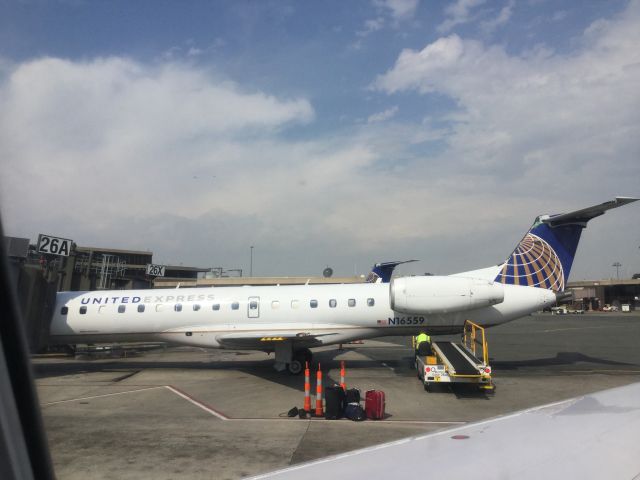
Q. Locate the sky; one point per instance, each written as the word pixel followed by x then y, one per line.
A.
pixel 321 133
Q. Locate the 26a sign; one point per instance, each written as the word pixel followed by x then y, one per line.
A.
pixel 155 270
pixel 54 245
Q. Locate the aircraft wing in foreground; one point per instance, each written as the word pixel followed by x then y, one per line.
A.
pixel 593 436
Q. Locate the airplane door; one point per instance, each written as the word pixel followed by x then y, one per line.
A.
pixel 253 307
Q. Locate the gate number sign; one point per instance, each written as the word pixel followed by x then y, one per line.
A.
pixel 155 270
pixel 54 245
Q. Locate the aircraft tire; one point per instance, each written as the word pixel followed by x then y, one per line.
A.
pixel 296 366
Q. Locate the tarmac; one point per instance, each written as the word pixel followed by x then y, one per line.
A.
pixel 176 412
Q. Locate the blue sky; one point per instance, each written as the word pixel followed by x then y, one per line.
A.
pixel 323 133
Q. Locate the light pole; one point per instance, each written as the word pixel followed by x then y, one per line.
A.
pixel 251 263
pixel 617 265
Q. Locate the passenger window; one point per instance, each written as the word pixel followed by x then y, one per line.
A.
pixel 140 308
pixel 295 304
pixel 253 305
pixel 235 306
pixel 216 306
pixel 196 307
pixel 275 304
pixel 102 308
pixel 177 307
pixel 121 308
pixel 352 302
pixel 159 307
pixel 64 310
pixel 371 302
pixel 333 303
pixel 83 310
pixel 313 303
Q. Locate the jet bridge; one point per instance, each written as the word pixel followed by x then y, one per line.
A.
pixel 466 361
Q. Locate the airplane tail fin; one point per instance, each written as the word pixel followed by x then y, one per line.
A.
pixel 381 272
pixel 543 258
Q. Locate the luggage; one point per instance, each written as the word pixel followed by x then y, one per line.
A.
pixel 374 404
pixel 353 411
pixel 353 395
pixel 334 402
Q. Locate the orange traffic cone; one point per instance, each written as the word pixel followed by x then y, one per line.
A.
pixel 319 410
pixel 307 388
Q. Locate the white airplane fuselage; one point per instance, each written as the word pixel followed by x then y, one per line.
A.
pixel 258 317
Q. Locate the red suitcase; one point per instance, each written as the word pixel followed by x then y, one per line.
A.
pixel 374 404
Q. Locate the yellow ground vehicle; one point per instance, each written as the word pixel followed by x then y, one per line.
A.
pixel 464 362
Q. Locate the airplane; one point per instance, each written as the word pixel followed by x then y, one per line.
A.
pixel 290 320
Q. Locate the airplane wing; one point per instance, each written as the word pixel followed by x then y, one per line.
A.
pixel 594 436
pixel 268 338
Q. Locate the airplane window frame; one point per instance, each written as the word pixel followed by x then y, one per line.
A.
pixel 122 308
pixel 64 310
pixel 295 304
pixel 313 303
pixel 141 308
pixel 235 306
pixel 215 307
pixel 371 302
pixel 83 310
pixel 196 307
pixel 177 307
pixel 275 304
pixel 333 303
pixel 351 302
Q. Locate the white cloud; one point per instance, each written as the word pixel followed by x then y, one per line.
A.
pixel 170 157
pixel 384 115
pixel 399 9
pixel 458 13
pixel 503 17
pixel 540 125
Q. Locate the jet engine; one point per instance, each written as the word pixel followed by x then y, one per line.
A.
pixel 432 294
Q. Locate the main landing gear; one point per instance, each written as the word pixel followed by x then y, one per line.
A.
pixel 292 361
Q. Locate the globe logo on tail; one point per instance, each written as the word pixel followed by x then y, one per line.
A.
pixel 534 264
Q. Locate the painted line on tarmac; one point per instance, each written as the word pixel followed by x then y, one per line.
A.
pixel 100 396
pixel 197 403
pixel 580 328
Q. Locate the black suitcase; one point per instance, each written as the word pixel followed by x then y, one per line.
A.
pixel 353 411
pixel 352 396
pixel 334 402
